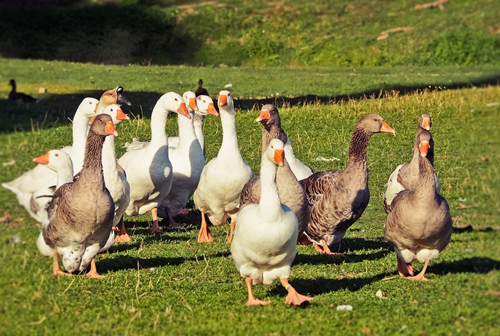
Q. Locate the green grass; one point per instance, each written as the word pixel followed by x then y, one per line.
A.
pixel 294 33
pixel 171 284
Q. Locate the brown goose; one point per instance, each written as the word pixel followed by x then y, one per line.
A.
pixel 290 191
pixel 419 223
pixel 113 96
pixel 338 198
pixel 19 96
pixel 405 174
pixel 81 212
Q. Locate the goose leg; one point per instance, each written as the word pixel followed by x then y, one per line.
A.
pixel 93 271
pixel 293 297
pixel 252 300
pixel 421 276
pixel 155 228
pixel 205 236
pixel 231 231
pixel 171 221
pixel 122 235
pixel 55 265
pixel 404 268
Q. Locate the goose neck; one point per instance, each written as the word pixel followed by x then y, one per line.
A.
pixel 229 138
pixel 270 202
pixel 158 123
pixel 358 148
pixel 109 157
pixel 186 130
pixel 92 162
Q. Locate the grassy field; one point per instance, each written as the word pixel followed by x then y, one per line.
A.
pixel 240 32
pixel 171 284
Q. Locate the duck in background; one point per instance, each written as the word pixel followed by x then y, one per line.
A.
pixel 20 97
pixel 200 90
pixel 338 198
pixel 419 223
pixel 265 240
pixel 223 178
pixel 80 215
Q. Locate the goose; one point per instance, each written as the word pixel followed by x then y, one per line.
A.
pixel 290 190
pixel 403 175
pixel 200 90
pixel 42 177
pixel 149 170
pixel 187 159
pixel 336 198
pixel 419 223
pixel 223 178
pixel 265 240
pixel 81 212
pixel 20 97
pixel 115 179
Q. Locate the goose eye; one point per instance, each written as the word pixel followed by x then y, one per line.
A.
pixel 175 99
pixel 56 155
pixel 228 94
pixel 111 110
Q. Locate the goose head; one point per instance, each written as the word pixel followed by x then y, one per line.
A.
pixel 87 107
pixel 54 159
pixel 226 102
pixel 425 121
pixel 116 113
pixel 12 83
pixel 113 96
pixel 269 116
pixel 424 142
pixel 190 101
pixel 206 106
pixel 103 125
pixel 373 123
pixel 276 152
pixel 173 102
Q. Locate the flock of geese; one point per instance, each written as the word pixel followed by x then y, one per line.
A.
pixel 80 193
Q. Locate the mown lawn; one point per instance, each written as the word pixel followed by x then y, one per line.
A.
pixel 171 284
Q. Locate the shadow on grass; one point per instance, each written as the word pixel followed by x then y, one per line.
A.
pixel 469 265
pixel 127 262
pixel 323 286
pixel 56 110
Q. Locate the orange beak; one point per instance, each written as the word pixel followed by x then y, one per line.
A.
pixel 386 128
pixel 424 148
pixel 426 124
pixel 192 104
pixel 211 109
pixel 222 100
pixel 44 159
pixel 121 116
pixel 184 111
pixel 96 105
pixel 92 120
pixel 264 116
pixel 110 129
pixel 279 157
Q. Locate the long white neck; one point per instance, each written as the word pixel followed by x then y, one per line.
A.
pixel 80 130
pixel 64 175
pixel 186 130
pixel 229 146
pixel 158 123
pixel 270 203
pixel 109 165
pixel 198 130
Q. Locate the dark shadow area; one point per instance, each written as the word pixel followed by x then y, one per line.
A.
pixel 470 228
pixel 370 94
pixel 359 244
pixel 469 265
pixel 78 31
pixel 322 286
pixel 321 259
pixel 127 262
pixel 56 110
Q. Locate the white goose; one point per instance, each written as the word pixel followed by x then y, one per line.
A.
pixel 223 178
pixel 149 171
pixel 42 177
pixel 187 159
pixel 265 239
